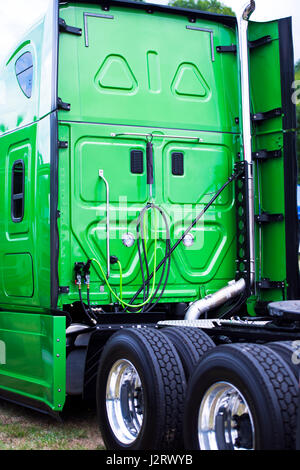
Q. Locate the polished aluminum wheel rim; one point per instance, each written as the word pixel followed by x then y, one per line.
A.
pixel 124 401
pixel 225 421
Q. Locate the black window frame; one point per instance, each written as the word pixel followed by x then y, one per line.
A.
pixel 17 196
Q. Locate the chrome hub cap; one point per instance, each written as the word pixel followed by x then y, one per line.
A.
pixel 225 421
pixel 124 401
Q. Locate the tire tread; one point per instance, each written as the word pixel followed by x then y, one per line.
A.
pixel 173 384
pixel 283 383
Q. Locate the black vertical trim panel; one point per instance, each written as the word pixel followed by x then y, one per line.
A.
pixel 287 72
pixel 54 241
pixel 290 156
pixel 55 56
pixel 28 402
pixel 291 215
pixel 54 245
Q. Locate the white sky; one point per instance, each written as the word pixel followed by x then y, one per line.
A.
pixel 267 10
pixel 14 21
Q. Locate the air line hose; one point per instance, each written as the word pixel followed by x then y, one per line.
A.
pixel 120 300
pixel 195 221
pixel 141 228
pixel 121 282
pixel 167 259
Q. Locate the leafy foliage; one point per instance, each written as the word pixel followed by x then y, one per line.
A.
pixel 212 6
pixel 298 140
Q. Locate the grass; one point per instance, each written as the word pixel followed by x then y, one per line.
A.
pixel 25 429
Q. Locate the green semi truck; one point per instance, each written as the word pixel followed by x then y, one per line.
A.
pixel 148 224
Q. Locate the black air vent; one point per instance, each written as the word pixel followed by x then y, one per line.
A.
pixel 177 164
pixel 136 162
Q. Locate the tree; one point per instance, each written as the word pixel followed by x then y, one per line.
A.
pixel 212 6
pixel 297 66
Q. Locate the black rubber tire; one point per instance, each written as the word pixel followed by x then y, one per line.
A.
pixel 267 384
pixel 163 383
pixel 191 344
pixel 286 350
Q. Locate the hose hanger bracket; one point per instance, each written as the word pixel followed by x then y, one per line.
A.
pixel 264 116
pixel 65 28
pixel 251 44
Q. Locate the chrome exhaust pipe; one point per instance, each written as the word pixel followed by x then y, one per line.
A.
pixel 200 307
pixel 246 125
pixel 235 288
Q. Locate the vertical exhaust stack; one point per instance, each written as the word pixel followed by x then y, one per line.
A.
pixel 246 125
pixel 236 288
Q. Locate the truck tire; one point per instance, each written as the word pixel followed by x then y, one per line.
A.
pixel 287 351
pixel 191 344
pixel 241 396
pixel 140 391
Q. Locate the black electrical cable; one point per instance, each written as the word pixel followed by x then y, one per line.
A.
pixel 89 303
pixel 140 229
pixel 152 306
pixel 167 257
pixel 234 306
pixel 92 320
pixel 140 234
pixel 141 268
pixel 146 261
pixel 145 289
pixel 195 221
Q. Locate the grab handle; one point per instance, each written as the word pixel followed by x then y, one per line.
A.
pixel 149 158
pixel 101 175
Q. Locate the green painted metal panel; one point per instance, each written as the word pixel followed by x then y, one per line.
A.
pixel 16 109
pixel 33 354
pixel 18 283
pixel 25 245
pixel 138 83
pixel 34 364
pixel 136 78
pixel 82 204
